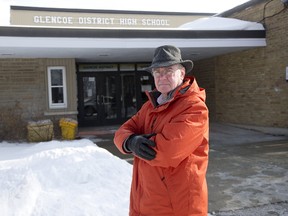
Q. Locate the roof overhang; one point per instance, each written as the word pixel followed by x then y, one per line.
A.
pixel 121 45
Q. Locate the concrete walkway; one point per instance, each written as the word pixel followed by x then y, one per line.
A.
pixel 248 168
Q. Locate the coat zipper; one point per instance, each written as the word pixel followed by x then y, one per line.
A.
pixel 153 123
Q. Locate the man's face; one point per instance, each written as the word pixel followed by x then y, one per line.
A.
pixel 168 78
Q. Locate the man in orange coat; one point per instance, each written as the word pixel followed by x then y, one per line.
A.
pixel 169 138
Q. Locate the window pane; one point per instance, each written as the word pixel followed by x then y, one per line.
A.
pixel 109 97
pixel 57 95
pixel 56 77
pixel 91 100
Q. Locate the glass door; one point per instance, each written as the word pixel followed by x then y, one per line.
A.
pixel 97 103
pixel 110 98
pixel 128 95
pixel 108 102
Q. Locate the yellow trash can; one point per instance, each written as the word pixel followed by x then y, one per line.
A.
pixel 68 128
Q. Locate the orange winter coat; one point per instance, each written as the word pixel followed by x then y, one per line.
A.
pixel 174 183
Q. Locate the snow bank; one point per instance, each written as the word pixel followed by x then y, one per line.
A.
pixel 73 178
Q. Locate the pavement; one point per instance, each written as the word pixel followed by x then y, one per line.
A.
pixel 248 168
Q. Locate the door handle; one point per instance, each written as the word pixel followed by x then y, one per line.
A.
pixel 100 99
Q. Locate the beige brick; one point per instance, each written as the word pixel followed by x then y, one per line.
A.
pixel 250 86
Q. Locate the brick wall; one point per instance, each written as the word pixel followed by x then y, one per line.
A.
pixel 204 71
pixel 250 86
pixel 21 87
pixel 23 91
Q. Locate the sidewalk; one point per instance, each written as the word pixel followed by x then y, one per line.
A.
pixel 248 168
pixel 248 171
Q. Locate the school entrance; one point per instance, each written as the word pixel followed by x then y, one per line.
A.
pixel 110 93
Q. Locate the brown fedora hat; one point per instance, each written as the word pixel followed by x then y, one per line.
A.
pixel 167 55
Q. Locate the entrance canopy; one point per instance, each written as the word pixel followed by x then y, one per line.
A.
pixel 199 39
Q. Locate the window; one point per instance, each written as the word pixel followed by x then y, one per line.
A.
pixel 57 87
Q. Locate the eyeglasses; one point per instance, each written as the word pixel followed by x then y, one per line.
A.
pixel 165 71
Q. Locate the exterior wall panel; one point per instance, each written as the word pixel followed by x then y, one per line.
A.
pixel 204 71
pixel 250 85
pixel 23 87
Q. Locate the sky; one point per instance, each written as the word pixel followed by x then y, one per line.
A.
pixel 210 6
pixel 191 6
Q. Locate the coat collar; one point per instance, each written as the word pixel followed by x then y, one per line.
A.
pixel 180 90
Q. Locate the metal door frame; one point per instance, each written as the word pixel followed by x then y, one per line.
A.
pixel 101 76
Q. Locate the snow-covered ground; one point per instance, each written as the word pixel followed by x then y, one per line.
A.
pixel 75 178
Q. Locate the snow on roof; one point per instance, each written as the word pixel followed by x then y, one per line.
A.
pixel 220 23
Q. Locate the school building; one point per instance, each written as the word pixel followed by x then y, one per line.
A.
pixel 88 64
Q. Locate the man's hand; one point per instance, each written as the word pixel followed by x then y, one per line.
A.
pixel 141 146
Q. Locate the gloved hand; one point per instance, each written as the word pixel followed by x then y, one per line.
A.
pixel 140 145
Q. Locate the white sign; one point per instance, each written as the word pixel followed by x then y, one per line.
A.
pixel 100 21
pixel 86 18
